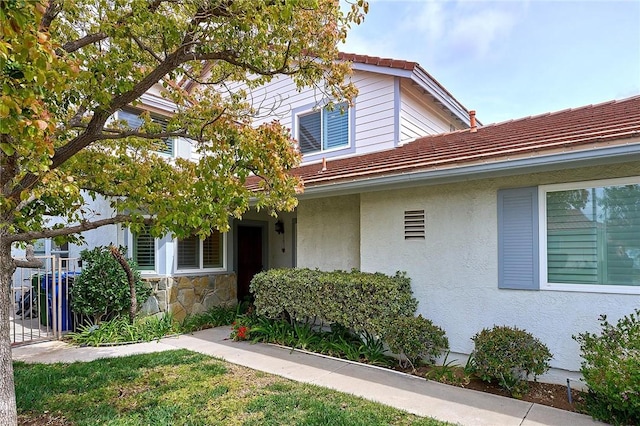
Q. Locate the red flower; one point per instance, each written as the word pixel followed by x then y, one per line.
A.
pixel 242 332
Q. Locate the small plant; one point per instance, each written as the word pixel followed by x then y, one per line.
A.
pixel 241 329
pixel 215 317
pixel 510 356
pixel 449 372
pixel 611 369
pixel 416 338
pixel 120 330
pixel 373 351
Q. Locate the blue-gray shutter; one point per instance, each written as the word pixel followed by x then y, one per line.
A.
pixel 518 239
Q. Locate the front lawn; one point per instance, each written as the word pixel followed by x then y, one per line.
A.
pixel 184 388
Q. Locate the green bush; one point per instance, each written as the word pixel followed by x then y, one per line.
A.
pixel 611 369
pixel 416 338
pixel 101 291
pixel 510 356
pixel 363 302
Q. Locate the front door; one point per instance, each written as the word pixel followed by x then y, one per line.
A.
pixel 249 257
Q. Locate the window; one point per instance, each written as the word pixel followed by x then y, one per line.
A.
pixel 134 121
pixel 571 237
pixel 197 253
pixel 592 234
pixel 144 250
pixel 324 129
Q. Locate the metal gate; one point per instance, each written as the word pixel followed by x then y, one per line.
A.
pixel 41 308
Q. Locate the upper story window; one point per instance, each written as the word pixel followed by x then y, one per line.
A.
pixel 194 253
pixel 323 130
pixel 132 117
pixel 591 234
pixel 144 250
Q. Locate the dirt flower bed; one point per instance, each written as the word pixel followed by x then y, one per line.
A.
pixel 548 394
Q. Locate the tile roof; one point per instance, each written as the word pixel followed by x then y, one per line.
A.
pixel 377 61
pixel 573 129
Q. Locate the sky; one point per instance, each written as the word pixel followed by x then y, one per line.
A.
pixel 512 58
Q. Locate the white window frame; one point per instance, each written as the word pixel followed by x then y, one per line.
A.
pixel 542 215
pixel 320 110
pixel 130 250
pixel 200 269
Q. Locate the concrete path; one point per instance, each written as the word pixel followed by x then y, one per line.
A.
pixel 406 392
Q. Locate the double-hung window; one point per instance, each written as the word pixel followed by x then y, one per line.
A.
pixel 591 233
pixel 133 120
pixel 324 129
pixel 195 253
pixel 144 250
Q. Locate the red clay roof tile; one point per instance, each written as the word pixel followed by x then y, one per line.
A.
pixel 532 136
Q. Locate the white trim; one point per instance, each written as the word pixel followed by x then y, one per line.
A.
pixel 542 217
pixel 199 270
pixel 298 112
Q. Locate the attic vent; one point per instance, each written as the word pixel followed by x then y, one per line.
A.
pixel 414 225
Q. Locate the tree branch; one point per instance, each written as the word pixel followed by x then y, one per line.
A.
pixel 31 261
pixel 81 227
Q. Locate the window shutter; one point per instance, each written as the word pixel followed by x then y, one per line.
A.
pixel 212 251
pixel 518 239
pixel 189 253
pixel 309 132
pixel 144 252
pixel 336 127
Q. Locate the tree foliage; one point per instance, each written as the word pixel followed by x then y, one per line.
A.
pixel 66 66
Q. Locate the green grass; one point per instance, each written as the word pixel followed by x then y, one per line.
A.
pixel 185 388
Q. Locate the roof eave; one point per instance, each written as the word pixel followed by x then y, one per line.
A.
pixel 425 82
pixel 507 167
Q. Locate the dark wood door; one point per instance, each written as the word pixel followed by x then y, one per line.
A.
pixel 249 257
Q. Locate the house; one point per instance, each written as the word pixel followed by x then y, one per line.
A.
pixel 529 223
pixel 533 223
pixel 398 101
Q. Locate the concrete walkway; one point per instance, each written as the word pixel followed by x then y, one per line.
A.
pixel 409 393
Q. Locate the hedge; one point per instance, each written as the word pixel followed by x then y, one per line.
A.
pixel 364 302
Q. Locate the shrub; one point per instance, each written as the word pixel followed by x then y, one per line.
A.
pixel 119 330
pixel 509 355
pixel 416 338
pixel 611 369
pixel 363 302
pixel 101 291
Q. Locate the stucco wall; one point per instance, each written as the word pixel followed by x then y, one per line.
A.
pixel 329 233
pixel 454 271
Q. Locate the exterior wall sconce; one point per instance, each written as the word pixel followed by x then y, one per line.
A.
pixel 279 227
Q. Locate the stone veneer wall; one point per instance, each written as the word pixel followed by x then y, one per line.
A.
pixel 188 295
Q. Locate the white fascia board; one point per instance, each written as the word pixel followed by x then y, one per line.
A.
pixel 396 72
pixel 423 80
pixel 598 156
pixel 157 102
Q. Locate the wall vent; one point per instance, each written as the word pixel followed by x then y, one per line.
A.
pixel 414 225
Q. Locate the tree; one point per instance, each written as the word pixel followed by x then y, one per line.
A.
pixel 68 65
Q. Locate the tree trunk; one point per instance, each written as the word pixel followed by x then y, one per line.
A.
pixel 132 282
pixel 8 411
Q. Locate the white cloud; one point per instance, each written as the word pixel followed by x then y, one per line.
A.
pixel 479 32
